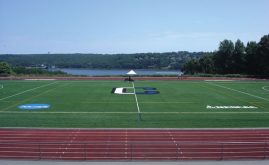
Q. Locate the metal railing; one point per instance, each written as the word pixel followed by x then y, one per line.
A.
pixel 135 150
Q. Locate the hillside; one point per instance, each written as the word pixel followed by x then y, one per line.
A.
pixel 170 60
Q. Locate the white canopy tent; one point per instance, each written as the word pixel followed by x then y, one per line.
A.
pixel 131 73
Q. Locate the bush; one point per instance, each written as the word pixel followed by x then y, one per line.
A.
pixel 5 69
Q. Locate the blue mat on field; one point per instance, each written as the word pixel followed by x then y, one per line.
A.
pixel 147 90
pixel 34 107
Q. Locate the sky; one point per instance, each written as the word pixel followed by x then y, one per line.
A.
pixel 128 26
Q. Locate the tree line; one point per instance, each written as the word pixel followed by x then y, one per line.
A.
pixel 7 70
pixel 230 58
pixel 233 58
pixel 169 60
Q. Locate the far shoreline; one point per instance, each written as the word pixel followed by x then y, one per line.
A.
pixel 136 78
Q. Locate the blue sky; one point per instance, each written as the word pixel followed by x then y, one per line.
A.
pixel 128 26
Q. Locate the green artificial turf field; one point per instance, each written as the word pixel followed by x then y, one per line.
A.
pixel 180 104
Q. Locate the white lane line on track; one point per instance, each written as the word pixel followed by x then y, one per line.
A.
pixel 126 144
pixel 27 91
pixel 238 91
pixel 175 143
pixel 151 137
pixel 73 138
pixel 137 132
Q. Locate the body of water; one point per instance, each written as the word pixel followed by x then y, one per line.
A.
pixel 115 72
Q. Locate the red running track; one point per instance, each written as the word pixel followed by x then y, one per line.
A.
pixel 133 144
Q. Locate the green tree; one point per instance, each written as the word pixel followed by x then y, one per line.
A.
pixel 234 58
pixel 5 69
pixel 263 53
pixel 207 64
pixel 223 57
pixel 238 57
pixel 191 67
pixel 251 65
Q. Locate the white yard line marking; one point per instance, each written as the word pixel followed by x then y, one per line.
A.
pixel 1 86
pixel 264 88
pixel 138 109
pixel 27 91
pixel 239 91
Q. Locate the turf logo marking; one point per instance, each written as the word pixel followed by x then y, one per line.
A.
pixel 122 91
pixel 230 107
pixel 138 90
pixel 34 106
pixel 147 90
pixel 266 88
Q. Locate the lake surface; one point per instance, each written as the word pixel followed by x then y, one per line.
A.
pixel 115 72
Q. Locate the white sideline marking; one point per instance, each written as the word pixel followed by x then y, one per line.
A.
pixel 219 80
pixel 70 112
pixel 89 102
pixel 27 91
pixel 215 112
pixel 44 79
pixel 239 91
pixel 138 109
pixel 264 88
